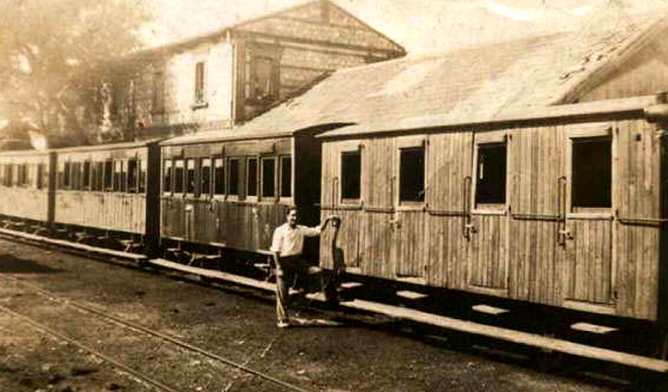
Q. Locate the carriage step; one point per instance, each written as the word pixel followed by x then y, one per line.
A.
pixel 410 295
pixel 593 328
pixel 489 309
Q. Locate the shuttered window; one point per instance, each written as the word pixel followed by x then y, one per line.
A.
pixel 200 79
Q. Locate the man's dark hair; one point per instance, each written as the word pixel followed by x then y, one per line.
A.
pixel 290 209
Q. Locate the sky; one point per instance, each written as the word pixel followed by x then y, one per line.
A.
pixel 418 25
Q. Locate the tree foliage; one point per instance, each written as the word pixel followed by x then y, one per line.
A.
pixel 55 58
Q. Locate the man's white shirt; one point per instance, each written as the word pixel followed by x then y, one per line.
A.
pixel 289 241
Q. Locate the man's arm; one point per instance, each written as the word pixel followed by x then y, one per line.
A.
pixel 315 231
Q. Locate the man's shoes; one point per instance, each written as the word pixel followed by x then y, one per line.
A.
pixel 314 270
pixel 283 324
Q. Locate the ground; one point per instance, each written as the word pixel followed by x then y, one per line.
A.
pixel 361 353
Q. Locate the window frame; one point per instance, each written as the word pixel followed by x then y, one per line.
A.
pixel 485 139
pixel 132 188
pixel 228 176
pixel 357 150
pixel 409 143
pixel 247 178
pixel 582 133
pixel 167 163
pixel 186 178
pixel 199 165
pixel 200 86
pixel 108 176
pixel 261 195
pixel 214 178
pixel 281 159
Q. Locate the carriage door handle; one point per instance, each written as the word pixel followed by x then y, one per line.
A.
pixel 564 235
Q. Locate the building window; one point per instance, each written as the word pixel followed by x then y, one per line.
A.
pixel 132 175
pixel 219 176
pixel 251 176
pixel 178 176
pixel 269 177
pixel 234 177
pixel 190 176
pixel 200 85
pixel 263 77
pixel 158 104
pixel 205 177
pixel 491 174
pixel 592 173
pixel 286 176
pixel 411 174
pixel 167 176
pixel 351 172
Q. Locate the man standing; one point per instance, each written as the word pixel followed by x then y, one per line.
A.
pixel 288 245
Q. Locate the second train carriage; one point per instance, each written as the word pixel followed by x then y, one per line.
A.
pixel 110 190
pixel 230 190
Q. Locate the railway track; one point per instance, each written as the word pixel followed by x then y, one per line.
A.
pixel 99 314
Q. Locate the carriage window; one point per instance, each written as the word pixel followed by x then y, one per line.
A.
pixel 167 176
pixel 351 171
pixel 94 170
pixel 178 176
pixel 40 176
pixel 190 176
pixel 98 176
pixel 269 177
pixel 411 174
pixel 86 175
pixel 251 175
pixel 118 176
pixel 205 176
pixel 108 176
pixel 23 175
pixel 234 177
pixel 132 175
pixel 592 173
pixel 141 187
pixel 286 176
pixel 491 174
pixel 219 177
pixel 66 175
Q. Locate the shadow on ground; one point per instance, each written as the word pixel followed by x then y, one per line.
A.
pixel 16 265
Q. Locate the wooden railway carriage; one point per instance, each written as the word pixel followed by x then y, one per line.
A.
pixel 109 188
pixel 564 207
pixel 24 185
pixel 523 170
pixel 231 189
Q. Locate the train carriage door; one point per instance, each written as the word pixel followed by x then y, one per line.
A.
pixel 588 227
pixel 487 229
pixel 408 248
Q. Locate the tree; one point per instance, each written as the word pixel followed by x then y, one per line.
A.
pixel 55 59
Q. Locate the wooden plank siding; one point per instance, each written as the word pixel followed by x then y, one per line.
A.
pixel 236 222
pixel 609 264
pixel 107 211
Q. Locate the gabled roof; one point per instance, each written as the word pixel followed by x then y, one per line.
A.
pixel 479 83
pixel 249 25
